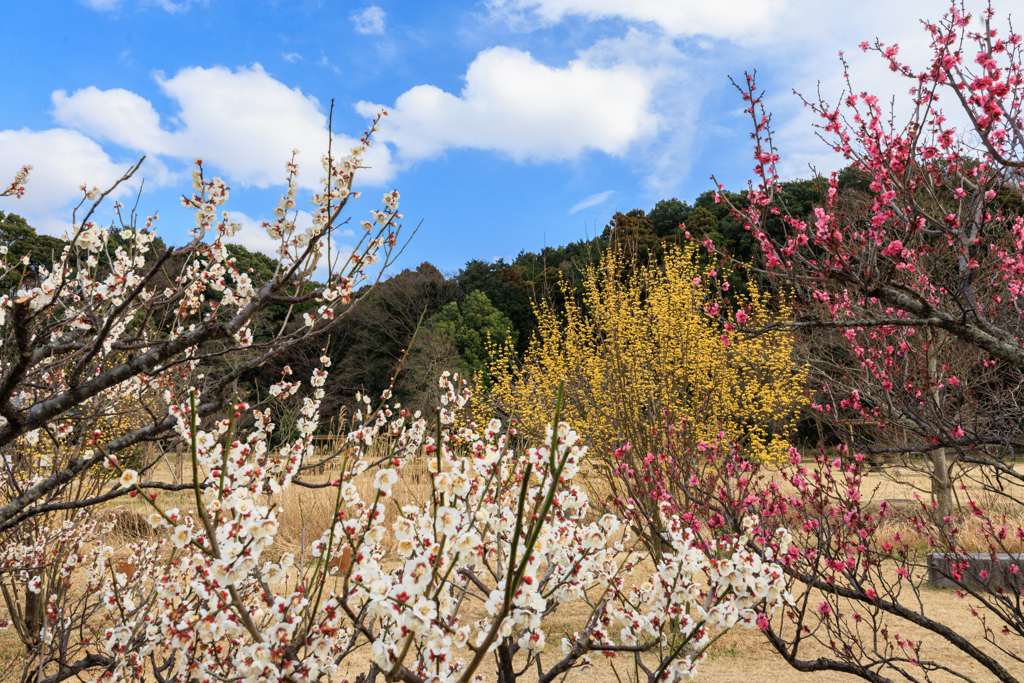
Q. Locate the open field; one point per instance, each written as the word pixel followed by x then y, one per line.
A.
pixel 741 656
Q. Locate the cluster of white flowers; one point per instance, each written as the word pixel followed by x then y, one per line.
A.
pixel 17 186
pixel 71 547
pixel 103 281
pixel 509 531
pixel 91 238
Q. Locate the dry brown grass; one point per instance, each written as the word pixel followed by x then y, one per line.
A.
pixel 742 656
pixel 902 489
pixel 306 513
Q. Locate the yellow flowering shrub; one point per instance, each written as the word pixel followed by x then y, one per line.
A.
pixel 644 346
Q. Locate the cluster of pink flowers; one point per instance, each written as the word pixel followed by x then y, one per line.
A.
pixel 924 275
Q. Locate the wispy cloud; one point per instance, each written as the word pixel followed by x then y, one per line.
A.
pixel 325 62
pixel 213 128
pixel 291 57
pixel 369 21
pixel 171 6
pixel 592 200
pixel 102 5
pixel 516 105
pixel 725 19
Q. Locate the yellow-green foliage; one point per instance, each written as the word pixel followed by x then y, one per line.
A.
pixel 641 344
pixel 45 452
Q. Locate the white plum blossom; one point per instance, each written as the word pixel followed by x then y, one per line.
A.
pixel 384 480
pixel 460 542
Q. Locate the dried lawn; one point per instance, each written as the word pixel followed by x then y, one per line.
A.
pixel 742 656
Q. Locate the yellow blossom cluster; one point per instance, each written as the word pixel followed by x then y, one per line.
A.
pixel 653 343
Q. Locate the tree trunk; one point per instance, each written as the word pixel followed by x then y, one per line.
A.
pixel 942 487
pixel 33 619
pixel 506 674
pixel 369 676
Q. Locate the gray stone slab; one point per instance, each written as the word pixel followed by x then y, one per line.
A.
pixel 983 571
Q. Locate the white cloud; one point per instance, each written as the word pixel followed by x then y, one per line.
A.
pixel 515 105
pixel 244 122
pixel 117 115
pixel 369 21
pixel 592 200
pixel 721 19
pixel 62 160
pixel 166 5
pixel 724 38
pixel 291 57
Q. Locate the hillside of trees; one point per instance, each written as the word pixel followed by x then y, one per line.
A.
pixel 443 320
pixel 439 321
pixel 455 321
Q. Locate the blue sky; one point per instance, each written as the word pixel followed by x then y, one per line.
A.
pixel 514 123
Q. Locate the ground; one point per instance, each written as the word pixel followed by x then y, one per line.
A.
pixel 741 656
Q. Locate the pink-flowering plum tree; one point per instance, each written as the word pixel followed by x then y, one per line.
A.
pixel 920 276
pixel 909 289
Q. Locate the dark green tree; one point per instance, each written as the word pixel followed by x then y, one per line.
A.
pixel 632 234
pixel 507 291
pixel 23 240
pixel 476 327
pixel 667 215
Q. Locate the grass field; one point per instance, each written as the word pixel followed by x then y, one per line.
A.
pixel 741 656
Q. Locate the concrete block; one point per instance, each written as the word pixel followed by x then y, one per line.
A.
pixel 984 571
